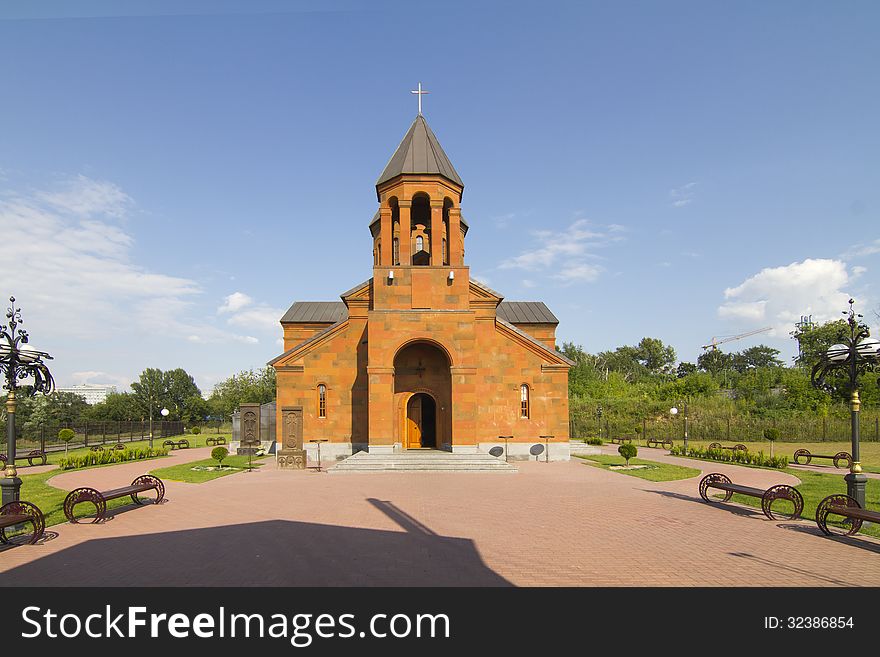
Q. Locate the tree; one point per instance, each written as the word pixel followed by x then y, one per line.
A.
pixel 655 356
pixel 174 390
pixel 771 434
pixel 218 454
pixel 180 390
pixel 57 408
pixel 814 339
pixel 149 392
pixel 246 386
pixel 627 451
pixel 117 406
pixel 714 361
pixel 754 357
pixel 685 368
pixel 66 435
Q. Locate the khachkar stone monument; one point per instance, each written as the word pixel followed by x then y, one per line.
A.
pixel 292 455
pixel 249 416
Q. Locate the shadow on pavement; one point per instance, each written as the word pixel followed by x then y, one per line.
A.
pixel 268 553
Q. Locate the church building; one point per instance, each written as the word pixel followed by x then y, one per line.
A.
pixel 420 355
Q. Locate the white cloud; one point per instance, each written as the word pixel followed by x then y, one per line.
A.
pixel 564 251
pixel 863 250
pixel 235 302
pixel 778 296
pixel 84 197
pixel 529 283
pixel 583 273
pixel 74 273
pixel 682 196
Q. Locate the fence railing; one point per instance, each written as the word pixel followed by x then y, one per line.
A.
pixel 45 436
pixel 733 428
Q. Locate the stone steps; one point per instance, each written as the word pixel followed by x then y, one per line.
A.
pixel 421 461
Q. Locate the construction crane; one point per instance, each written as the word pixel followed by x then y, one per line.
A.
pixel 713 345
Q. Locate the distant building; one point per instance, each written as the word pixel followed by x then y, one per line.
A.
pixel 93 394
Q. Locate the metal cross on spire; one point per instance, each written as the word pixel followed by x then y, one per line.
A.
pixel 420 93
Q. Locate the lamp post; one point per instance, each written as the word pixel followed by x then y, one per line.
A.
pixel 18 361
pixel 674 412
pixel 599 420
pixel 856 355
pixel 164 413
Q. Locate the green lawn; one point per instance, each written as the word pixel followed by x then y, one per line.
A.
pixel 185 472
pixel 815 487
pixel 654 472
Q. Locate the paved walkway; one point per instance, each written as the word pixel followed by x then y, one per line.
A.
pixel 559 524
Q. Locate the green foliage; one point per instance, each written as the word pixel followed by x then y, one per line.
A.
pixel 175 390
pixel 732 456
pixel 218 454
pixel 628 451
pixel 90 459
pixel 195 431
pixel 246 386
pixel 66 435
pixel 771 434
pixel 595 441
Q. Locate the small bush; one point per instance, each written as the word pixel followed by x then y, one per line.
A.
pixel 66 435
pixel 113 456
pixel 627 451
pixel 732 456
pixel 195 431
pixel 771 434
pixel 218 454
pixel 595 441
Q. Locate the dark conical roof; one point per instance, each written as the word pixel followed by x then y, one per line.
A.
pixel 419 152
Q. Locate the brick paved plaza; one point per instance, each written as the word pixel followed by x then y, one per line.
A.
pixel 556 524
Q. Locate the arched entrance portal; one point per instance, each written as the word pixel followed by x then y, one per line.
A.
pixel 423 396
pixel 421 421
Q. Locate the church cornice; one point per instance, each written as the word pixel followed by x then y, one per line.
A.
pixel 535 346
pixel 298 351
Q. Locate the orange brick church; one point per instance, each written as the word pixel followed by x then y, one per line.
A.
pixel 421 356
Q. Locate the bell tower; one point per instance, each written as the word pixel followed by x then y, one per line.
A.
pixel 419 220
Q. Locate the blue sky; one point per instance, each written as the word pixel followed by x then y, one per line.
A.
pixel 174 175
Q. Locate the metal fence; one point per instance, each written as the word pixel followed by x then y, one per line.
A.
pixel 45 436
pixel 732 428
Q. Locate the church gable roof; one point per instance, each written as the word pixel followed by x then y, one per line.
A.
pixel 419 152
pixel 316 312
pixel 526 312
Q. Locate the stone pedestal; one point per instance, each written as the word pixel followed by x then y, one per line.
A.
pixel 292 459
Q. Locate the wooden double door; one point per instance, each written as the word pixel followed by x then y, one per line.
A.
pixel 421 422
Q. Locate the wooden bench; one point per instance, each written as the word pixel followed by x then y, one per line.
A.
pixel 30 456
pixel 768 496
pixel 100 498
pixel 739 447
pixel 183 443
pixel 620 440
pixel 847 507
pixel 660 442
pixel 19 513
pixel 219 440
pixel 840 457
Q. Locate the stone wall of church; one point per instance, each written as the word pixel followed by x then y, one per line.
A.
pixel 340 364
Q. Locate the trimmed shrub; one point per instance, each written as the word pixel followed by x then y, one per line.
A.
pixel 218 454
pixel 627 451
pixel 66 435
pixel 595 441
pixel 732 456
pixel 771 434
pixel 195 431
pixel 91 459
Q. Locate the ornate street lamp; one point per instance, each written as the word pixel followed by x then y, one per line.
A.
pixel 599 420
pixel 18 361
pixel 674 411
pixel 856 355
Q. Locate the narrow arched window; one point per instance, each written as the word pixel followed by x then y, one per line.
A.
pixel 378 252
pixel 322 400
pixel 420 243
pixel 445 259
pixel 395 248
pixel 524 401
